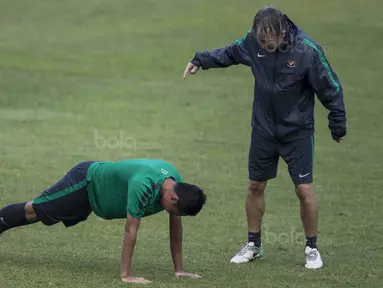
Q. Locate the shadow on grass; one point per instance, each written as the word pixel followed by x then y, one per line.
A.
pixel 59 262
pixel 96 265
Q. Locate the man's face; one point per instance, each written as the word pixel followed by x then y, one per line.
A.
pixel 271 42
pixel 169 203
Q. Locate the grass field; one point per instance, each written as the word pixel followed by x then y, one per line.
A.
pixel 97 79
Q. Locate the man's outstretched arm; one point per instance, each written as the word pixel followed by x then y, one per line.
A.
pixel 175 225
pixel 234 54
pixel 130 236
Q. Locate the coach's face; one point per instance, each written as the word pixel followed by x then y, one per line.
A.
pixel 271 42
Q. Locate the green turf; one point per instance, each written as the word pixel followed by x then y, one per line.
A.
pixel 73 73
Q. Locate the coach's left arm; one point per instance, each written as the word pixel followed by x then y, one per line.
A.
pixel 329 91
pixel 175 227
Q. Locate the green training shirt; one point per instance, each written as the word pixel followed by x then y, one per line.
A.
pixel 128 187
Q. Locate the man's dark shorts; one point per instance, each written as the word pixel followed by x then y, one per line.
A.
pixel 67 200
pixel 264 155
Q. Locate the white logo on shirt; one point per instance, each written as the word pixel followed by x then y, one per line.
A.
pixel 164 171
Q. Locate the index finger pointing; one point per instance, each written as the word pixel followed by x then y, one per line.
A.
pixel 187 69
pixel 185 73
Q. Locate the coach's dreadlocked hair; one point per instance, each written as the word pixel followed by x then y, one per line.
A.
pixel 271 21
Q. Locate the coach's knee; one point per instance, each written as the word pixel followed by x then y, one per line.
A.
pixel 305 192
pixel 256 188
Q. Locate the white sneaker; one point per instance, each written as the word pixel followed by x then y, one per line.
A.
pixel 248 253
pixel 313 259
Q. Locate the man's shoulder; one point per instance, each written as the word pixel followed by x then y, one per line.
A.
pixel 306 44
pixel 140 166
pixel 152 170
pixel 147 162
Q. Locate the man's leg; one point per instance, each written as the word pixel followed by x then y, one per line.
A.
pixel 263 164
pixel 16 215
pixel 67 200
pixel 309 216
pixel 309 213
pixel 255 208
pixel 299 156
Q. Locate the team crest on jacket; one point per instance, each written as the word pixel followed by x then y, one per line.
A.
pixel 291 63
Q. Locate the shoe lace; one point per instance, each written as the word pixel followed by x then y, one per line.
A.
pixel 244 249
pixel 312 255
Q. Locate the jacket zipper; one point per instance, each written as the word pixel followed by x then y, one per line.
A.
pixel 272 99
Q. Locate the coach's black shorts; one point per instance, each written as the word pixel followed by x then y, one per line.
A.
pixel 264 155
pixel 67 200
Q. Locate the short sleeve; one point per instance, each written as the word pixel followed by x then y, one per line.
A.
pixel 169 171
pixel 139 196
pixel 179 178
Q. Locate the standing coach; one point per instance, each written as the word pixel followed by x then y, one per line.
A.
pixel 289 69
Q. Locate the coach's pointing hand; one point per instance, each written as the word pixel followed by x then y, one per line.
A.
pixel 190 69
pixel 136 280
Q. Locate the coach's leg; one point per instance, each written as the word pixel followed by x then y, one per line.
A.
pixel 299 156
pixel 255 208
pixel 309 212
pixel 16 215
pixel 309 216
pixel 263 164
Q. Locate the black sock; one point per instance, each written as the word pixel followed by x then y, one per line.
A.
pixel 12 216
pixel 255 237
pixel 311 242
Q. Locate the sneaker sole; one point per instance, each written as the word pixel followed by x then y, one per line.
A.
pixel 258 257
pixel 313 268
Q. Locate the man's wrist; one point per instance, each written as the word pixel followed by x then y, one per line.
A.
pixel 196 62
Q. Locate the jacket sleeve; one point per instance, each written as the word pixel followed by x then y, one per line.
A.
pixel 328 90
pixel 234 54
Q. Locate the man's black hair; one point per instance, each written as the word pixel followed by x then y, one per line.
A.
pixel 191 198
